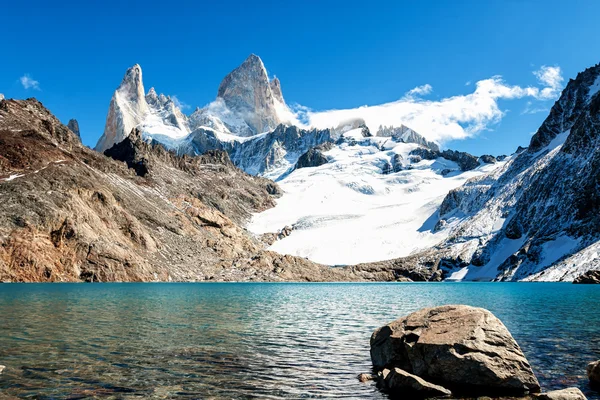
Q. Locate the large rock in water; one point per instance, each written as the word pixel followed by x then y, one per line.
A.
pixel 465 349
pixel 593 372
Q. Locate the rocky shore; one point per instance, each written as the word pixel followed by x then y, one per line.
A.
pixel 456 351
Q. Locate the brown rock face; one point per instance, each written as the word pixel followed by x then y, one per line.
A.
pixel 465 349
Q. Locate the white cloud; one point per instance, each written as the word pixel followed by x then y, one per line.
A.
pixel 420 90
pixel 455 117
pixel 29 83
pixel 551 77
pixel 180 104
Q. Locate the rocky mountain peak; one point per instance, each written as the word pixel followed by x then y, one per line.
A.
pixel 573 101
pixel 275 85
pixel 132 85
pixel 247 91
pixel 152 95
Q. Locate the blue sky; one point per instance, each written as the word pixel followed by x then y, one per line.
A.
pixel 327 54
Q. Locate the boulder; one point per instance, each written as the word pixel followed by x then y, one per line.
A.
pixel 465 349
pixel 564 394
pixel 398 381
pixel 589 277
pixel 2 367
pixel 593 373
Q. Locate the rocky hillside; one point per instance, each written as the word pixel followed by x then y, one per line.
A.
pixel 72 214
pixel 537 217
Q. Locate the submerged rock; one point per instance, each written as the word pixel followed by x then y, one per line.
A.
pixel 564 394
pixel 589 277
pixel 2 368
pixel 366 377
pixel 465 349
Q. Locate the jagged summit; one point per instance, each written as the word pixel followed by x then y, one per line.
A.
pixel 132 85
pixel 73 125
pixel 247 91
pixel 275 85
pixel 575 97
pixel 131 107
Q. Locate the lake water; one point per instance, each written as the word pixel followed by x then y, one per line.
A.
pixel 247 340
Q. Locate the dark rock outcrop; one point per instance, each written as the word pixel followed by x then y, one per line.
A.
pixel 590 277
pixel 128 151
pixel 73 125
pixel 397 165
pixel 465 161
pixel 314 157
pixel 488 159
pixel 464 349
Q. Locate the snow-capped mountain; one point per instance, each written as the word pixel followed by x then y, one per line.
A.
pixel 156 115
pixel 537 217
pixel 248 115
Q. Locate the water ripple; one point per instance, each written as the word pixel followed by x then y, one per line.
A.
pixel 258 341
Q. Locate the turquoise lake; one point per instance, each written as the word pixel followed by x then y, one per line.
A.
pixel 259 340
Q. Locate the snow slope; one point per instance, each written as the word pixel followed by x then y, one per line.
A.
pixel 348 211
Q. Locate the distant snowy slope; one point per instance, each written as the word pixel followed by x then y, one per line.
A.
pixel 373 200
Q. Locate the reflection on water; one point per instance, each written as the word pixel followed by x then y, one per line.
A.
pixel 251 340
